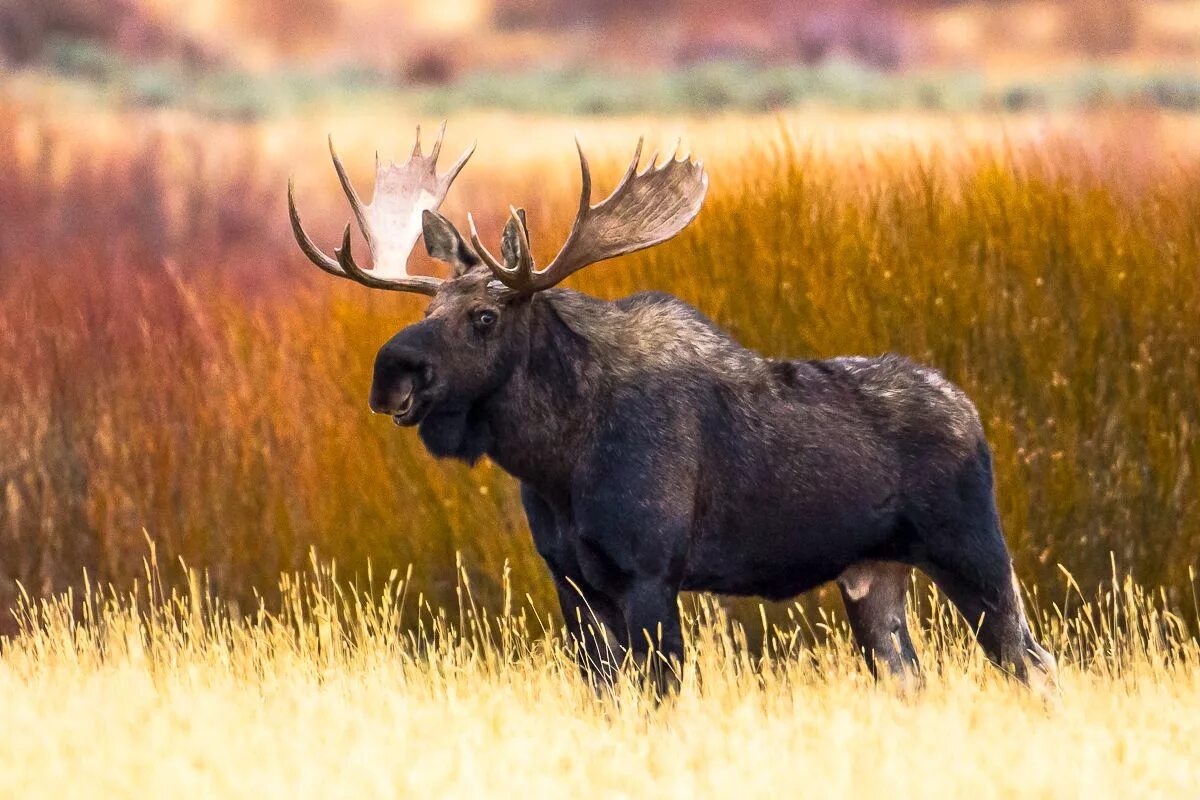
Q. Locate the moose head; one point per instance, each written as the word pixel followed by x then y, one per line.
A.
pixel 477 327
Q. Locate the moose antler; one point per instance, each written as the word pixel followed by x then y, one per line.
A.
pixel 646 208
pixel 391 223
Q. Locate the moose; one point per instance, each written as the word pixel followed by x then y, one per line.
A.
pixel 656 455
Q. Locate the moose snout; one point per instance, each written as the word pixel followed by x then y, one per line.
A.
pixel 393 398
pixel 400 378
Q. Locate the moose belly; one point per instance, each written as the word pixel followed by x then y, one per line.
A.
pixel 781 555
pixel 760 534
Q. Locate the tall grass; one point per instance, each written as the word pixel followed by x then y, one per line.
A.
pixel 171 367
pixel 370 690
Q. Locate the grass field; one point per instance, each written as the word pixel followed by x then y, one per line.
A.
pixel 147 694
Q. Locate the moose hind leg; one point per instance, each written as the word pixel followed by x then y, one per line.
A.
pixel 976 573
pixel 994 611
pixel 965 555
pixel 875 594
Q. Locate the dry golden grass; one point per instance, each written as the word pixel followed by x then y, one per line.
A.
pixel 326 699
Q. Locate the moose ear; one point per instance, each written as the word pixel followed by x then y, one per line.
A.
pixel 510 240
pixel 443 242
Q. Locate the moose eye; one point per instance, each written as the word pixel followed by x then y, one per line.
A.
pixel 484 318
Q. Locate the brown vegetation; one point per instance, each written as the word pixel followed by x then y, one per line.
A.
pixel 169 363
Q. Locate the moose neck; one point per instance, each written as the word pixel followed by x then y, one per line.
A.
pixel 539 421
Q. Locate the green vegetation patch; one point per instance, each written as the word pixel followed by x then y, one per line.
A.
pixel 715 86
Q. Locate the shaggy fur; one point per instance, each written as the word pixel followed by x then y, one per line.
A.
pixel 656 454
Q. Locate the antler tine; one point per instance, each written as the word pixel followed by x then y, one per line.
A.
pixel 355 203
pixel 457 166
pixel 518 277
pixel 630 172
pixel 346 259
pixel 421 284
pixel 585 181
pixel 483 252
pixel 524 266
pixel 437 145
pixel 518 216
pixel 307 246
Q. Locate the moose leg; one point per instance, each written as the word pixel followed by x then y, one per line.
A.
pixel 995 613
pixel 875 594
pixel 637 558
pixel 632 501
pixel 651 609
pixel 594 623
pixel 975 571
pixel 596 628
pixel 962 549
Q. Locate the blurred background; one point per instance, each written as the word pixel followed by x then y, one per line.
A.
pixel 249 59
pixel 1009 191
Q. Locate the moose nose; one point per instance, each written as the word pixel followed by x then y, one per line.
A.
pixel 399 378
pixel 394 399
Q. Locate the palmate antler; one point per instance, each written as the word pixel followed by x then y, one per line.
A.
pixel 391 223
pixel 646 208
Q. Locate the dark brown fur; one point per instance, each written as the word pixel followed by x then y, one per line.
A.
pixel 656 454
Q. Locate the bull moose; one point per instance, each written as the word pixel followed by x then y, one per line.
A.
pixel 656 454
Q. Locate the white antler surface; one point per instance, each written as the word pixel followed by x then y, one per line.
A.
pixel 391 223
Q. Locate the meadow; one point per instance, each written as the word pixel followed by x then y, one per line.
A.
pixel 183 420
pixel 158 693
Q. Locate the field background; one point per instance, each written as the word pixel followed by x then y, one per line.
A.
pixel 220 575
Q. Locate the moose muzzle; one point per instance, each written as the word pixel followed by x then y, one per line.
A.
pixel 401 384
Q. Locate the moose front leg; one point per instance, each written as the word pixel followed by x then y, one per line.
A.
pixel 634 549
pixel 633 499
pixel 651 609
pixel 596 628
pixel 644 578
pixel 595 625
